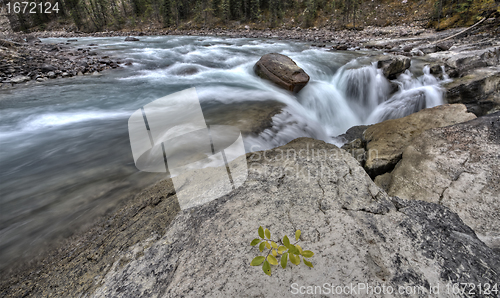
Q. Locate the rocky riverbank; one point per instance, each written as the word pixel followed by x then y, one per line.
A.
pixel 25 59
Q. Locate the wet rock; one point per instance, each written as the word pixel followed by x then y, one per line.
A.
pixel 386 141
pixel 457 167
pixel 51 75
pixel 353 133
pixel 282 71
pixel 394 65
pixel 129 38
pixel 436 69
pixel 479 90
pixel 251 118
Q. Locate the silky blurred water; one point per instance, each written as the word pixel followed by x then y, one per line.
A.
pixel 65 153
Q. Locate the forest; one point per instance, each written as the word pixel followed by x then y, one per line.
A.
pixel 101 15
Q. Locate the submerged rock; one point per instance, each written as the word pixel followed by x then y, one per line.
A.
pixel 394 65
pixel 129 38
pixel 282 71
pixel 458 167
pixel 251 117
pixel 386 141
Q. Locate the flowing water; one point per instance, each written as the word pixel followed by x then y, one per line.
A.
pixel 65 153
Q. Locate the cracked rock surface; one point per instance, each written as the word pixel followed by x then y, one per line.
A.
pixel 458 167
pixel 358 233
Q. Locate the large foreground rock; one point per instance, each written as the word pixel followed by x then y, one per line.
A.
pixel 458 167
pixel 479 90
pixel 282 71
pixel 359 235
pixel 386 141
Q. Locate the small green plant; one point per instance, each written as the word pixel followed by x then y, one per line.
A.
pixel 285 251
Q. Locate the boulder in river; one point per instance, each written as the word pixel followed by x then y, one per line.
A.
pixel 386 141
pixel 129 38
pixel 282 71
pixel 457 167
pixel 394 65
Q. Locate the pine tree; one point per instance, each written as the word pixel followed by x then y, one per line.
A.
pixel 254 9
pixel 167 13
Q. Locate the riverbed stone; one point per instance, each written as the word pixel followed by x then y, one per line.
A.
pixel 385 141
pixel 458 167
pixel 129 38
pixel 282 71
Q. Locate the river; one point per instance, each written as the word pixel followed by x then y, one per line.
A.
pixel 65 155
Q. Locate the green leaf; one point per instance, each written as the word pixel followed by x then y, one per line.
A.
pixel 274 253
pixel 299 248
pixel 274 245
pixel 266 267
pixel 272 260
pixel 307 253
pixel 262 246
pixel 283 260
pixel 268 234
pixel 261 232
pixel 297 234
pixel 308 263
pixel 286 241
pixel 257 261
pixel 281 249
pixel 255 242
pixel 292 249
pixel 268 245
pixel 294 259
